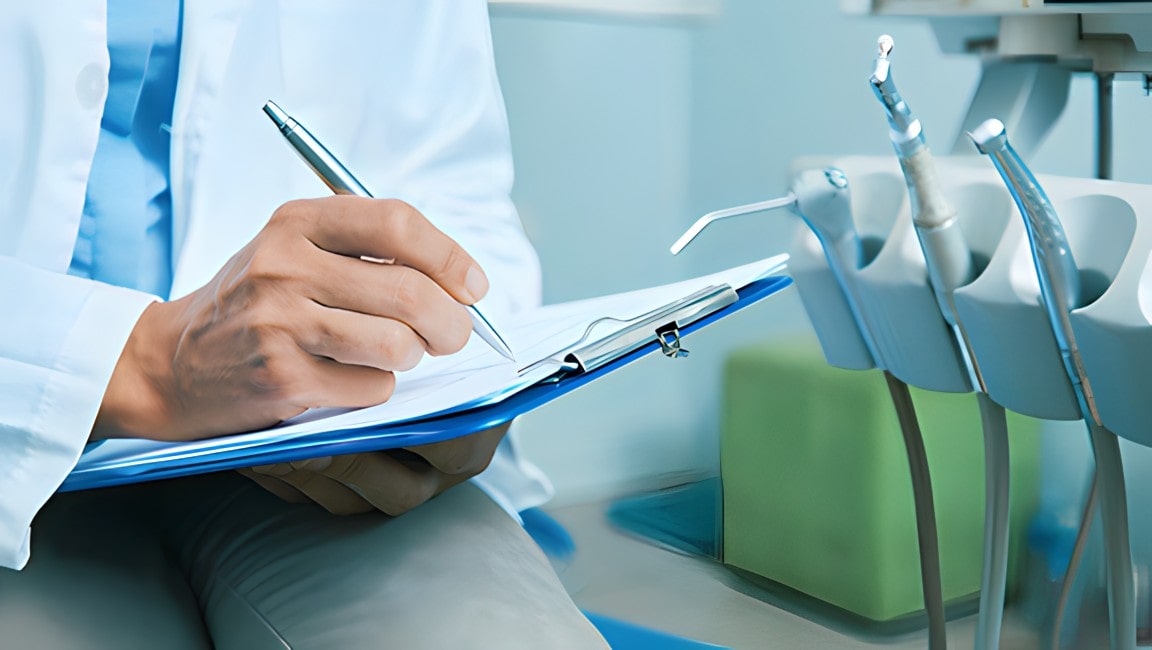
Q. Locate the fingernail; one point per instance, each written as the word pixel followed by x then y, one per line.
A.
pixel 476 283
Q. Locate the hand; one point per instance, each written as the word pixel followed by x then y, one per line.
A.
pixel 296 320
pixel 392 482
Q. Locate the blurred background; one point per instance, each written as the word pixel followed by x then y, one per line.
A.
pixel 632 118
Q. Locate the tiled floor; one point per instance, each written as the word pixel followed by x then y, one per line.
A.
pixel 622 577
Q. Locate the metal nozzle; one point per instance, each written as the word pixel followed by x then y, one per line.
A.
pixel 700 224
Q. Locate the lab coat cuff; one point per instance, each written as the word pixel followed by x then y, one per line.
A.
pixel 512 481
pixel 67 409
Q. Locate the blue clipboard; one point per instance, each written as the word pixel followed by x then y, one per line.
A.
pixel 405 434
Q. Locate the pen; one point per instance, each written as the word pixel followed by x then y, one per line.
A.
pixel 341 181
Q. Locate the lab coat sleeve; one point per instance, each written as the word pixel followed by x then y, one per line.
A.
pixel 60 339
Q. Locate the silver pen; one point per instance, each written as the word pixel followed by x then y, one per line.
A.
pixel 341 181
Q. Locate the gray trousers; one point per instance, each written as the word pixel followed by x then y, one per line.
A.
pixel 215 561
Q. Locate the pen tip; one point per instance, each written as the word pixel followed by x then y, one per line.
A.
pixel 500 346
pixel 488 334
pixel 277 114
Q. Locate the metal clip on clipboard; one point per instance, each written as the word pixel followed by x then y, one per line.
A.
pixel 662 325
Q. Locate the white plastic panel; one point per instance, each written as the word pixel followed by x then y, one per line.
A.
pixel 1109 227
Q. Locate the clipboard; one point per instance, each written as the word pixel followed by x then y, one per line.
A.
pixel 585 361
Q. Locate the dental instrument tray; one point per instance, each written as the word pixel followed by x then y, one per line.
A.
pixel 1109 230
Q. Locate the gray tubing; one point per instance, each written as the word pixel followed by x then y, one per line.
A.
pixel 1117 551
pixel 994 576
pixel 926 534
pixel 1077 556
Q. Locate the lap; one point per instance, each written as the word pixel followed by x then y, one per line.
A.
pixel 456 572
pixel 216 557
pixel 98 578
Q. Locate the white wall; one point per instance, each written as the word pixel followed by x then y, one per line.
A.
pixel 626 129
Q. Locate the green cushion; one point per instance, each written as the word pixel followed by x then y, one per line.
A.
pixel 817 494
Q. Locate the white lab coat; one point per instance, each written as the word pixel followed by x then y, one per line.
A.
pixel 405 91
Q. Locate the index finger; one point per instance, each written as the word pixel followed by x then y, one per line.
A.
pixel 390 229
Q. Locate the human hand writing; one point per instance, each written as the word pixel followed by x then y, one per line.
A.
pixel 296 320
pixel 392 481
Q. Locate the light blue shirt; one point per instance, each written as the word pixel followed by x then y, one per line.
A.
pixel 125 235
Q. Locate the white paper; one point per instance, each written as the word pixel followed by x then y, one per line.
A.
pixel 475 376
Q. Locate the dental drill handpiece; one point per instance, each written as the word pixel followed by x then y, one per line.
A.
pixel 949 264
pixel 1059 282
pixel 948 258
pixel 1055 267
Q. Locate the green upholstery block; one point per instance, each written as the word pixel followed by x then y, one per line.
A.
pixel 817 494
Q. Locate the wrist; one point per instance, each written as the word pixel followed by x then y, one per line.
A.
pixel 136 403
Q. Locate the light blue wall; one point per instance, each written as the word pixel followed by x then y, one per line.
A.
pixel 601 116
pixel 625 130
